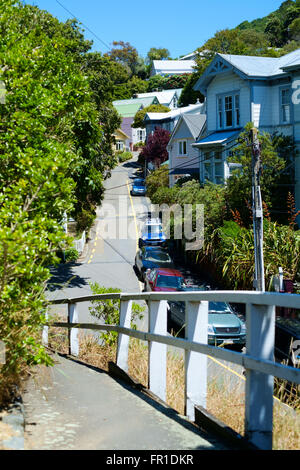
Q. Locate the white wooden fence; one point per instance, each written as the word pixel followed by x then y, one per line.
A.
pixel 79 244
pixel 258 360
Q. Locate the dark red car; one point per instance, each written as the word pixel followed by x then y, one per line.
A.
pixel 163 279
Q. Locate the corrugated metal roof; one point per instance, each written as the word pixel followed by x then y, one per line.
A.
pixel 195 123
pixel 172 65
pixel 262 66
pixel 128 110
pixel 217 138
pixel 144 101
pixel 164 97
pixel 176 112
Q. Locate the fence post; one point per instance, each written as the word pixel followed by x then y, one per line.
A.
pixel 45 330
pixel 157 373
pixel 123 340
pixel 196 319
pixel 73 332
pixel 260 322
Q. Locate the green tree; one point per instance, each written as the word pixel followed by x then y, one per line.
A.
pixel 125 54
pixel 275 31
pixel 294 30
pixel 157 53
pixel 153 108
pixel 156 83
pixel 239 185
pixel 51 161
pixel 188 94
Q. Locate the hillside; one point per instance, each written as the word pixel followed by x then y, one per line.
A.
pixel 281 26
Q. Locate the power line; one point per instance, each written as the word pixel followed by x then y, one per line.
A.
pixel 92 32
pixel 184 165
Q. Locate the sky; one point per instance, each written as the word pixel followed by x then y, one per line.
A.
pixel 178 25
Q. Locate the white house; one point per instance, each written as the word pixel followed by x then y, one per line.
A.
pixel 242 89
pixel 167 98
pixel 172 67
pixel 169 120
pixel 183 157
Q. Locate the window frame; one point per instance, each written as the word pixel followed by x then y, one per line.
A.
pixel 119 145
pixel 182 145
pixel 282 105
pixel 235 110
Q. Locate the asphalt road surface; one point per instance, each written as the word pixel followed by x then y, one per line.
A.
pixel 109 258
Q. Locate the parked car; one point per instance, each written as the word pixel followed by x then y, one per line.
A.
pixel 164 279
pixel 224 326
pixel 138 187
pixel 150 257
pixel 153 234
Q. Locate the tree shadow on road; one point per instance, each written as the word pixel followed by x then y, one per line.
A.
pixel 63 276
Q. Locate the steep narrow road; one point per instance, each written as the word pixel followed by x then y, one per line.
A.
pixel 111 252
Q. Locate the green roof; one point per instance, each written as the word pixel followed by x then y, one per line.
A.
pixel 129 108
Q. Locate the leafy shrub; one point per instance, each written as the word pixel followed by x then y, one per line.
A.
pixel 138 145
pixel 85 220
pixel 157 179
pixel 231 248
pixel 164 195
pixel 124 156
pixel 108 310
pixel 71 254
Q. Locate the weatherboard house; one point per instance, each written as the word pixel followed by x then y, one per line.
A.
pixel 127 110
pixel 183 157
pixel 242 89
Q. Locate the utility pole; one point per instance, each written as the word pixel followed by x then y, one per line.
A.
pixel 257 210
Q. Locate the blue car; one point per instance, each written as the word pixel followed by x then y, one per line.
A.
pixel 138 187
pixel 150 257
pixel 153 234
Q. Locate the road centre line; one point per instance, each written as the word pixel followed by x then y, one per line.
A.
pixel 134 216
pixel 242 377
pixel 141 285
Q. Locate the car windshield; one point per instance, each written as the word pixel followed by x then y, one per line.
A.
pixel 218 307
pixel 139 182
pixel 157 256
pixel 169 281
pixel 154 229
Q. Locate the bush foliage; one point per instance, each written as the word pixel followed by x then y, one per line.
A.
pixel 53 152
pixel 229 242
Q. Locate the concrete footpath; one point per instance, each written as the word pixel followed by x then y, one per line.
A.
pixel 76 407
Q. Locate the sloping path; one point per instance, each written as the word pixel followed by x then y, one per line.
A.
pixel 73 406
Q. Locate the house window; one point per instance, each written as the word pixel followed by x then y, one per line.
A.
pixel 208 171
pixel 237 109
pixel 219 172
pixel 140 135
pixel 228 111
pixel 285 105
pixel 119 145
pixel 220 113
pixel 182 147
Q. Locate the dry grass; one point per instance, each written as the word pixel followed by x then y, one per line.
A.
pixel 226 401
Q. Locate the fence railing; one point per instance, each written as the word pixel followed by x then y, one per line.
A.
pixel 258 360
pixel 79 244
